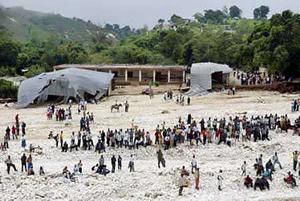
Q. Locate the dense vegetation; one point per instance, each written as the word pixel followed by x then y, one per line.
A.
pixel 221 36
pixel 7 89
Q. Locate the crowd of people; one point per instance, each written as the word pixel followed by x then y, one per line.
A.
pixel 194 132
pixel 257 78
pixel 180 99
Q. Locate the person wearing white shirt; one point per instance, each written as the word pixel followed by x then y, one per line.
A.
pixel 181 183
pixel 194 163
pixel 131 163
pixel 244 169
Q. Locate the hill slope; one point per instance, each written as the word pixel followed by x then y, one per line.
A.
pixel 26 24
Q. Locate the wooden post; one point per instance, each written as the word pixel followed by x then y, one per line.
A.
pixel 183 76
pixel 126 75
pixel 154 74
pixel 169 76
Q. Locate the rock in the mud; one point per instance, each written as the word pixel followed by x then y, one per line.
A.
pixel 40 194
pixel 165 112
pixel 156 195
pixel 87 183
pixel 180 151
pixel 147 195
pixel 247 147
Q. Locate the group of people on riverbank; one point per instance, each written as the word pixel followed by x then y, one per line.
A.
pixel 257 78
pixel 222 130
pixel 180 99
pixel 264 174
pixel 14 133
pixel 228 131
pixel 26 165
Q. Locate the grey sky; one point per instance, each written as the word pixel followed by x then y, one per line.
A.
pixel 137 13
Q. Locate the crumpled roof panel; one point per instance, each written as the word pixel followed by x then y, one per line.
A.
pixel 70 82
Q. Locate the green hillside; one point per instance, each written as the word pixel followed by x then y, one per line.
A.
pixel 213 36
pixel 25 25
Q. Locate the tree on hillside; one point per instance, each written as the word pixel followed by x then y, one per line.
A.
pixel 9 51
pixel 101 37
pixel 176 20
pixel 214 16
pixel 235 12
pixel 4 33
pixel 275 44
pixel 161 21
pixel 199 17
pixel 171 46
pixel 261 12
pixel 225 10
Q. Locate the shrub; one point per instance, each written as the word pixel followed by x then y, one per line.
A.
pixel 7 89
pixel 7 71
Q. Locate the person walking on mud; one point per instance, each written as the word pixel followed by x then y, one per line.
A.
pixel 181 184
pixel 160 158
pixel 9 164
pixel 295 160
pixel 113 164
pixel 131 163
pixel 119 163
pixel 61 138
pixel 23 162
pixel 126 106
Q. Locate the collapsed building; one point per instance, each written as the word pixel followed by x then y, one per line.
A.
pixel 64 84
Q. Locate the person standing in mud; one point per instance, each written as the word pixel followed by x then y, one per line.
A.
pixel 119 163
pixel 194 164
pixel 9 164
pixel 18 128
pixel 23 128
pixel 79 139
pixel 113 164
pixel 244 169
pixel 23 141
pixel 61 138
pixel 160 158
pixel 5 142
pixel 17 119
pixel 23 162
pixel 126 106
pixel 131 163
pixel 14 132
pixel 181 184
pixel 7 132
pixel 189 119
pixel 295 160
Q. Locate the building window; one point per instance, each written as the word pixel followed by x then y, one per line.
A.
pixel 130 74
pixel 115 73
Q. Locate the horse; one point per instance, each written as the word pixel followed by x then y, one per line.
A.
pixel 116 106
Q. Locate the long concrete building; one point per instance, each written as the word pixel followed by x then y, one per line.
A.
pixel 137 74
